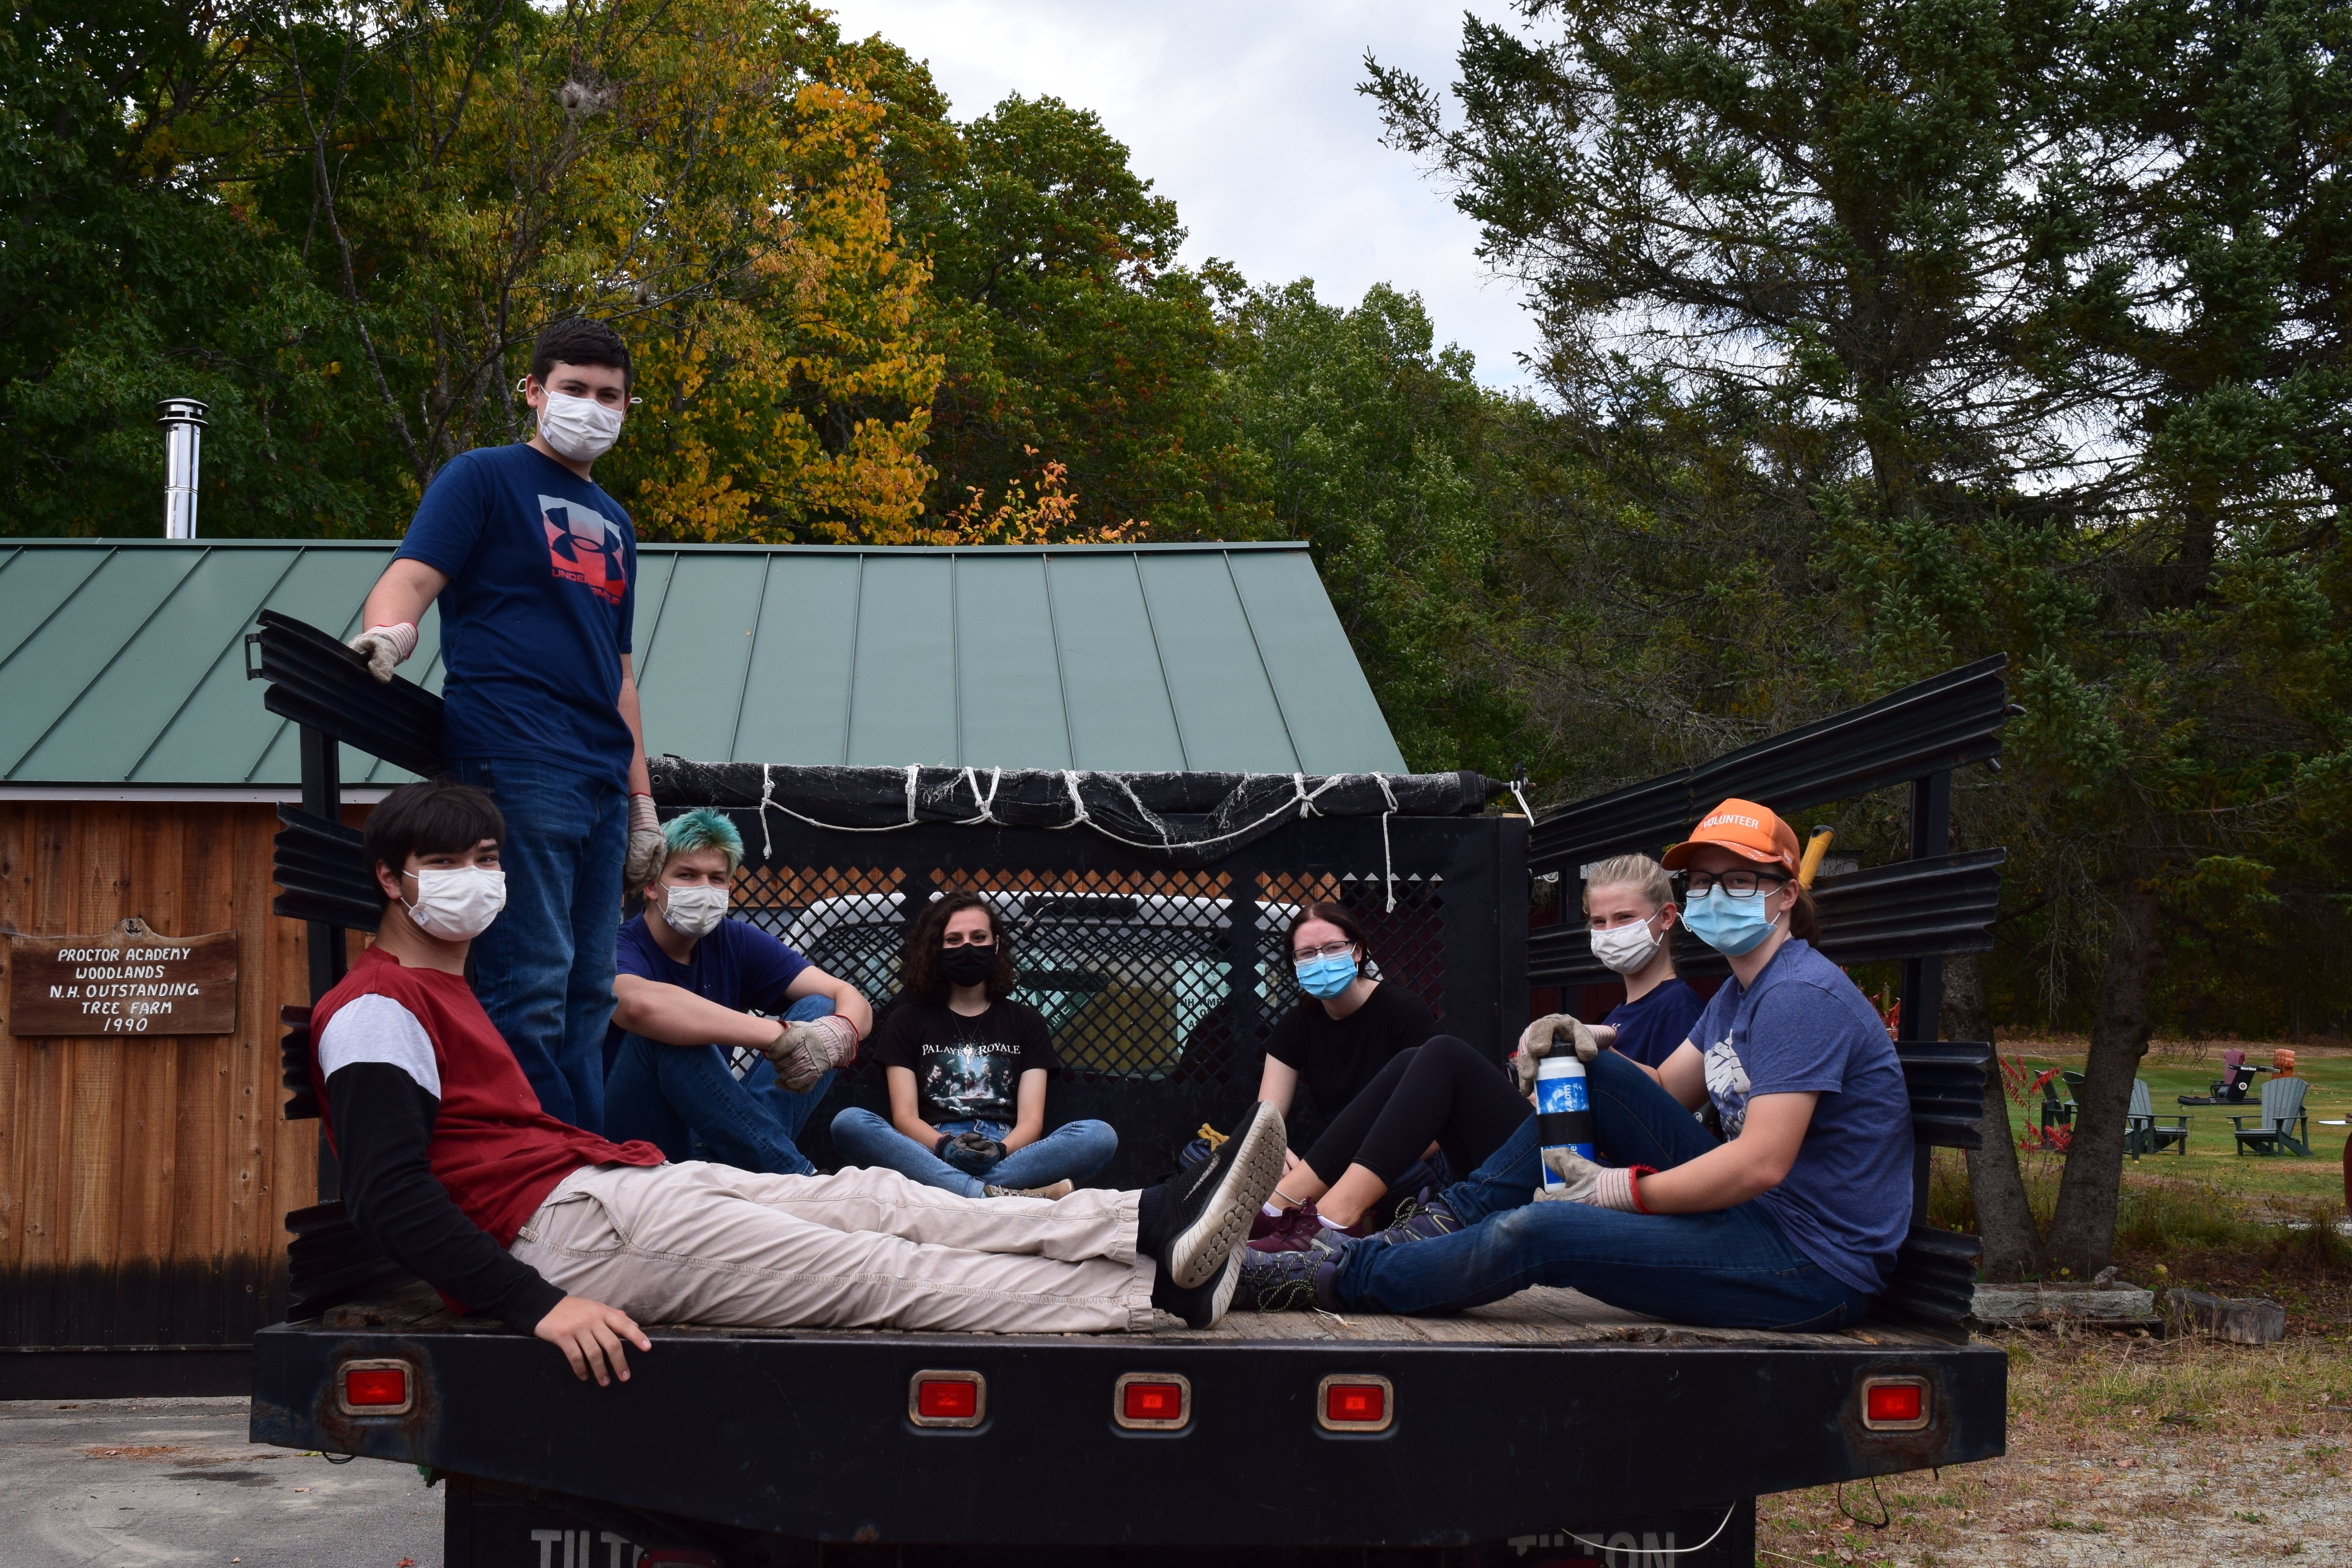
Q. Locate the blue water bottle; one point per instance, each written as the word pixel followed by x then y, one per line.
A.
pixel 1563 1108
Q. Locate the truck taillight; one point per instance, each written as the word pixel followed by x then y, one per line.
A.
pixel 375 1387
pixel 947 1399
pixel 1355 1402
pixel 1152 1401
pixel 1895 1404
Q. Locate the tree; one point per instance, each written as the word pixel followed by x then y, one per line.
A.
pixel 1387 456
pixel 342 225
pixel 1891 335
pixel 1071 336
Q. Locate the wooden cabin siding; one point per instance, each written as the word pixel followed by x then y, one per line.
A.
pixel 144 1180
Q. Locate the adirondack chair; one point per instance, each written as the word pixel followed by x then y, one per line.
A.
pixel 2231 1087
pixel 2141 1133
pixel 2055 1112
pixel 2074 1081
pixel 2281 1115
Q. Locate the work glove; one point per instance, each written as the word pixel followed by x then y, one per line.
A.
pixel 648 850
pixel 1582 1182
pixel 972 1152
pixel 386 647
pixel 803 1053
pixel 1545 1036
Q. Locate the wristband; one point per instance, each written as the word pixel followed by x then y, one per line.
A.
pixel 402 636
pixel 642 818
pixel 1633 1174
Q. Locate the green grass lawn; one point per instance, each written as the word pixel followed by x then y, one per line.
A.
pixel 2211 1154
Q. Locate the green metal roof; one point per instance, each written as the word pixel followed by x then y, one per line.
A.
pixel 121 661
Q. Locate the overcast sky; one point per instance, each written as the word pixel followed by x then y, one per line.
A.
pixel 1247 115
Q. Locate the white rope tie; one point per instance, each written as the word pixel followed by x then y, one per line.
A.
pixel 1388 863
pixel 987 803
pixel 1302 800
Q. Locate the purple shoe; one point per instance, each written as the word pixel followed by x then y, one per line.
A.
pixel 1290 1281
pixel 1294 1230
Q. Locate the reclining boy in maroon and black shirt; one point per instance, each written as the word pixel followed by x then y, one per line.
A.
pixel 453 1170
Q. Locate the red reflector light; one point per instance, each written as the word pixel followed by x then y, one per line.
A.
pixel 941 1401
pixel 1154 1402
pixel 1356 1403
pixel 1893 1403
pixel 374 1387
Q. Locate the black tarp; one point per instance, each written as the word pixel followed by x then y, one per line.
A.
pixel 1183 820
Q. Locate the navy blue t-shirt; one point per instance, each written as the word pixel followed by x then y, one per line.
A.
pixel 1803 1029
pixel 1654 1029
pixel 542 569
pixel 738 965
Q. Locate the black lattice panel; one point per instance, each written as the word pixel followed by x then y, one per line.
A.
pixel 1139 975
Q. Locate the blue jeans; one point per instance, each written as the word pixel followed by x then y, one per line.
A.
pixel 687 1102
pixel 1073 1150
pixel 544 969
pixel 1735 1268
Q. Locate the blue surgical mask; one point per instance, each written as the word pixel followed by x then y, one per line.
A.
pixel 1731 926
pixel 1325 978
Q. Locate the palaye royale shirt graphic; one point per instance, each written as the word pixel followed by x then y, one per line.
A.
pixel 966 1069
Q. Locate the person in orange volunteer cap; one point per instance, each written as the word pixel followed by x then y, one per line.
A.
pixel 1789 1220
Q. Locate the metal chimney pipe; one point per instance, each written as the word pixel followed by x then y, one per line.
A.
pixel 182 419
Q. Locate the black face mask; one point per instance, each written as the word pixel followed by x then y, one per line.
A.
pixel 969 964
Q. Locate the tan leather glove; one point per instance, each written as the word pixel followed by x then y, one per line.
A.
pixel 1545 1035
pixel 803 1053
pixel 648 850
pixel 385 648
pixel 1582 1182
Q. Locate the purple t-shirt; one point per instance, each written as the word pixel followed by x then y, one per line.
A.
pixel 1803 1029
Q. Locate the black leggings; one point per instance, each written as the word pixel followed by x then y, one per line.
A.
pixel 1442 1090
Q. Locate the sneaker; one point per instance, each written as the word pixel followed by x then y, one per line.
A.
pixel 1204 1212
pixel 1290 1281
pixel 1061 1189
pixel 1203 1305
pixel 1294 1230
pixel 1419 1219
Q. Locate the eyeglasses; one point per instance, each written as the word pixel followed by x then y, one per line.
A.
pixel 1738 884
pixel 957 939
pixel 1329 950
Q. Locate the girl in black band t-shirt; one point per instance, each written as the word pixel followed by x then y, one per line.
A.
pixel 966 1067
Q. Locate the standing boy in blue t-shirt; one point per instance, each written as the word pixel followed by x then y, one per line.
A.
pixel 723 1039
pixel 536 571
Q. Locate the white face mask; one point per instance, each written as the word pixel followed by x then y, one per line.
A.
pixel 1626 948
pixel 694 912
pixel 458 903
pixel 580 428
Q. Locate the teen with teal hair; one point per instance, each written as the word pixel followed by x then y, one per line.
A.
pixel 723 1039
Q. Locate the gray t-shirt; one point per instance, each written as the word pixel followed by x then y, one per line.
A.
pixel 1803 1029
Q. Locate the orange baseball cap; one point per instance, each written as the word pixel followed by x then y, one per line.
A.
pixel 1743 827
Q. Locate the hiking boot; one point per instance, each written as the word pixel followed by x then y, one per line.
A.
pixel 1202 1213
pixel 1203 1305
pixel 1290 1281
pixel 1419 1219
pixel 1061 1189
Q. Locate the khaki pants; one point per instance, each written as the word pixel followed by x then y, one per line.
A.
pixel 698 1243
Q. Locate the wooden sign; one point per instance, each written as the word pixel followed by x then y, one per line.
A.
pixel 127 981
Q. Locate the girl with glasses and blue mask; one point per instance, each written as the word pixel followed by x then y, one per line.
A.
pixel 1789 1221
pixel 1394 1090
